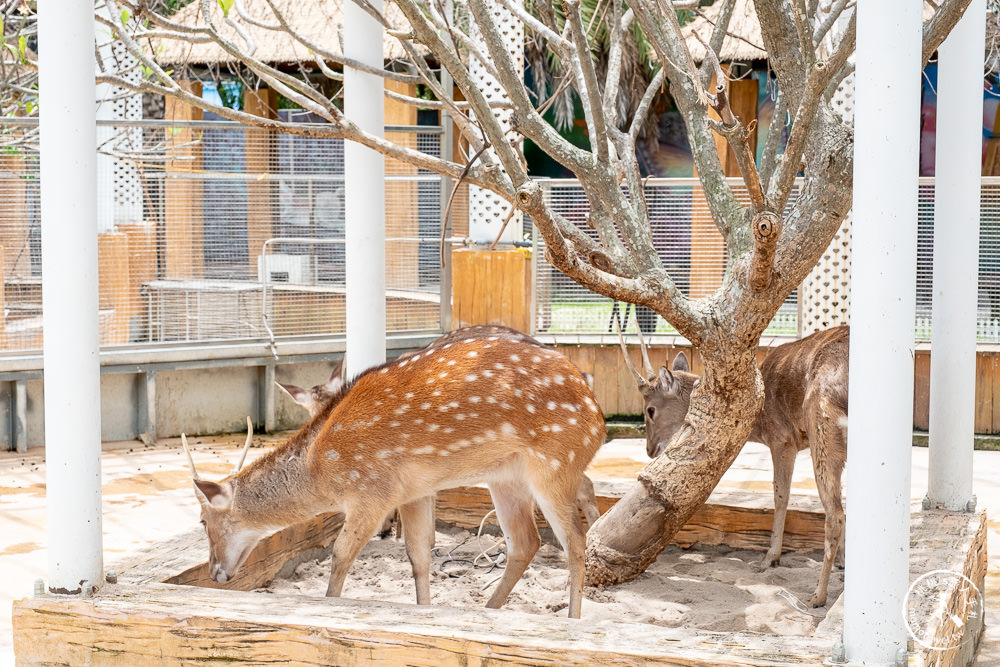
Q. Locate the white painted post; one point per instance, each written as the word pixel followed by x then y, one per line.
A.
pixel 68 141
pixel 364 195
pixel 886 132
pixel 958 167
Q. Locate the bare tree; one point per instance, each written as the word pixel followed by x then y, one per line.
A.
pixel 771 246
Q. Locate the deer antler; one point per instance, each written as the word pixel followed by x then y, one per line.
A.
pixel 246 447
pixel 643 382
pixel 194 471
pixel 650 371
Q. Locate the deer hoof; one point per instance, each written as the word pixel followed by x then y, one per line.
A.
pixel 817 600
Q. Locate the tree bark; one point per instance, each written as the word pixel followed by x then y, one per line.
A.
pixel 724 406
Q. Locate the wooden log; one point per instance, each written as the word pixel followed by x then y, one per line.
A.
pixel 260 159
pixel 115 287
pixel 184 252
pixel 157 624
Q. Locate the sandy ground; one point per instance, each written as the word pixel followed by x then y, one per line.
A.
pixel 711 588
pixel 147 498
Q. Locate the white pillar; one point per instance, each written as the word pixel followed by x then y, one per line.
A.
pixel 69 294
pixel 886 132
pixel 364 195
pixel 958 169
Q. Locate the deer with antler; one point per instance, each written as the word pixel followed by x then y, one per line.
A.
pixel 317 398
pixel 805 405
pixel 489 409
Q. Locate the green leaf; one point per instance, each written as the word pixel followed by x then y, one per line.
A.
pixel 125 17
pixel 22 48
pixel 226 5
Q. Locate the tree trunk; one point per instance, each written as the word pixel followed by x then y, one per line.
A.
pixel 673 486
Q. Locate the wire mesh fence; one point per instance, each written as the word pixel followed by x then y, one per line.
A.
pixel 215 231
pixel 692 250
pixel 686 239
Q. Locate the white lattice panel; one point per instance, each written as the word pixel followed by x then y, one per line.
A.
pixel 825 294
pixel 127 106
pixel 487 210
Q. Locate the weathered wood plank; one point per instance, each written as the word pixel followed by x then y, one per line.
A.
pixel 921 389
pixel 160 624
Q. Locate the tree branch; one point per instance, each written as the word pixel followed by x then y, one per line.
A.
pixel 592 103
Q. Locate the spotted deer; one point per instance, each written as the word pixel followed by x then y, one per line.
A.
pixel 805 405
pixel 317 399
pixel 492 409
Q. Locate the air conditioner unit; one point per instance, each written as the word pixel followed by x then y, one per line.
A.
pixel 295 269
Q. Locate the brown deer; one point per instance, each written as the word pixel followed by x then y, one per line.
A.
pixel 805 405
pixel 492 409
pixel 317 399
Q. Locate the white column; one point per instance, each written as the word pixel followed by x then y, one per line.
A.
pixel 105 164
pixel 364 195
pixel 886 121
pixel 958 167
pixel 69 294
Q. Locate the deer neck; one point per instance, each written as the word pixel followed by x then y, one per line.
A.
pixel 278 489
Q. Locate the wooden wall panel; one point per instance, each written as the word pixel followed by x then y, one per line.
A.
pixel 491 287
pixel 183 209
pixel 921 389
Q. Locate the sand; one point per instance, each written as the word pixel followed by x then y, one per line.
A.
pixel 711 588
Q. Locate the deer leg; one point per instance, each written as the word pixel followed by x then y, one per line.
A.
pixel 587 500
pixel 829 454
pixel 783 460
pixel 358 528
pixel 516 514
pixel 418 516
pixel 563 517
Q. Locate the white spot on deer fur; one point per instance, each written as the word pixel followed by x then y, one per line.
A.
pixel 572 455
pixel 569 407
pixel 426 449
pixel 418 420
pixel 394 424
pixel 333 454
pixel 518 392
pixel 441 360
pixel 451 363
pixel 472 354
pixel 537 359
pixel 471 377
pixel 430 380
pixel 442 375
pixel 491 399
pixel 506 406
pixel 499 367
pixel 406 435
pixel 554 463
pixel 530 408
pixel 409 394
pixel 551 405
pixel 532 432
pixel 433 427
pixel 559 379
pixel 593 430
pixel 522 371
pixel 358 457
pixel 383 454
pixel 384 370
pixel 487 374
pixel 404 362
pixel 491 338
pixel 572 421
pixel 515 358
pixel 460 417
pixel 425 406
pixel 354 474
pixel 448 430
pixel 436 392
pixel 546 428
pixel 447 346
pixel 590 403
pixel 556 428
pixel 474 399
pixel 399 449
pixel 508 429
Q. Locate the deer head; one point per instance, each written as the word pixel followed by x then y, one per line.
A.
pixel 230 539
pixel 666 395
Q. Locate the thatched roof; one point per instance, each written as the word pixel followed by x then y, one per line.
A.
pixel 743 39
pixel 320 21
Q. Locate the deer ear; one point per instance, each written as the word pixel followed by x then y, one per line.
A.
pixel 298 394
pixel 665 381
pixel 213 493
pixel 681 363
